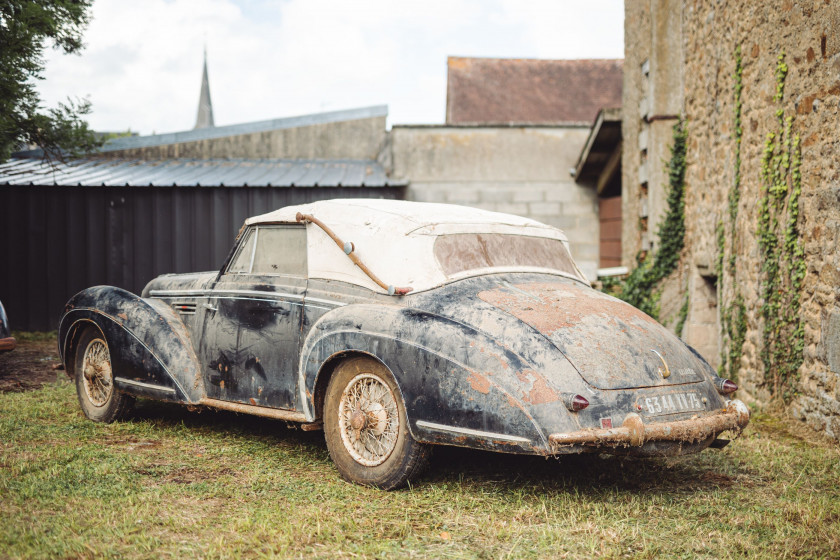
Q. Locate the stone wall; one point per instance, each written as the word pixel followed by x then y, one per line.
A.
pixel 652 101
pixel 808 35
pixel 807 32
pixel 636 52
pixel 516 170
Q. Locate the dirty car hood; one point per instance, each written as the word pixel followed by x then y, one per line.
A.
pixel 612 344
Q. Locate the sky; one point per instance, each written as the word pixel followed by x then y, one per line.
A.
pixel 141 68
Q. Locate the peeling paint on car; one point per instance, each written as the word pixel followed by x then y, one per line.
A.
pixel 479 382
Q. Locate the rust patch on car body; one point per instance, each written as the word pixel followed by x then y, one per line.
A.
pixel 536 389
pixel 549 307
pixel 479 382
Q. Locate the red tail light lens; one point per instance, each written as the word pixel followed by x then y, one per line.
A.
pixel 579 403
pixel 725 386
pixel 729 387
pixel 575 403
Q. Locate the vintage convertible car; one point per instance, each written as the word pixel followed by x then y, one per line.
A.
pixel 481 332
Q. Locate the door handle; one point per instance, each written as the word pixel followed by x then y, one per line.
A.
pixel 210 307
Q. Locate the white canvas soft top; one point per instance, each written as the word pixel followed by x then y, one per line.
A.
pixel 394 238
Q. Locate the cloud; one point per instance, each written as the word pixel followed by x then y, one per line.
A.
pixel 267 58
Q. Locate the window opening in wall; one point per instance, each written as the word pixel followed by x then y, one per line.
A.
pixel 705 314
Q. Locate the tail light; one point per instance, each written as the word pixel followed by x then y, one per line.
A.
pixel 574 403
pixel 725 386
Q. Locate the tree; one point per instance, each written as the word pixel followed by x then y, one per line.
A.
pixel 26 28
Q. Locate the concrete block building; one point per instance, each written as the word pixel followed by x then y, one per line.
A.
pixel 513 135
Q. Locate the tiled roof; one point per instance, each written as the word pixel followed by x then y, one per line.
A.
pixel 530 91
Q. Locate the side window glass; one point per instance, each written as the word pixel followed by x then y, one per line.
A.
pixel 280 250
pixel 241 262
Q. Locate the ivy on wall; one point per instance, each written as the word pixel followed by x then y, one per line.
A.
pixel 640 288
pixel 780 253
pixel 782 257
pixel 682 316
pixel 733 316
pixel 735 331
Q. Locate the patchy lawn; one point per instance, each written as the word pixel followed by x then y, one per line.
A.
pixel 175 483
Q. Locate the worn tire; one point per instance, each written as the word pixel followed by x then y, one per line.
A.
pixel 99 398
pixel 396 457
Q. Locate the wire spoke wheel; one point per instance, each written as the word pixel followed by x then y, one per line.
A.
pixel 92 367
pixel 369 421
pixel 97 376
pixel 366 426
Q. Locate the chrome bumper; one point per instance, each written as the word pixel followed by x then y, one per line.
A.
pixel 634 432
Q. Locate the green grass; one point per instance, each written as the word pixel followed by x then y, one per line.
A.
pixel 35 336
pixel 175 483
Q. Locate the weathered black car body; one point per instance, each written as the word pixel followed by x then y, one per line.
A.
pixel 504 356
pixel 7 341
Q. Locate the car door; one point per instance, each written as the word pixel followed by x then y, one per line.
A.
pixel 250 339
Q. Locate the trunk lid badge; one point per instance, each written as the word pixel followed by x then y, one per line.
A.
pixel 665 373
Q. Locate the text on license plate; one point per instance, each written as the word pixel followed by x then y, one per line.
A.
pixel 669 404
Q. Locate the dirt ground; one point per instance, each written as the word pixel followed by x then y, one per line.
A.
pixel 30 365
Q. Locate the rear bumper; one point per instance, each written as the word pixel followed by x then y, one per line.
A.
pixel 7 344
pixel 635 433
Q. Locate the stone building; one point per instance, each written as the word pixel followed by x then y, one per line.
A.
pixel 759 87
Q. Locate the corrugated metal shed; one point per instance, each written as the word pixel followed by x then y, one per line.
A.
pixel 198 173
pixel 58 240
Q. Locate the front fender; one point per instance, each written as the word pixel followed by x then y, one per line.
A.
pixel 459 386
pixel 149 345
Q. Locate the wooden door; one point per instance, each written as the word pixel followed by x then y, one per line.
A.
pixel 609 215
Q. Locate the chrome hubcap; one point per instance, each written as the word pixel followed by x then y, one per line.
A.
pixel 368 420
pixel 96 373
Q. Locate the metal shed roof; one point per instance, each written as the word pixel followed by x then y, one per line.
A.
pixel 198 173
pixel 211 132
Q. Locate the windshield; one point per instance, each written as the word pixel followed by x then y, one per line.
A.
pixel 470 251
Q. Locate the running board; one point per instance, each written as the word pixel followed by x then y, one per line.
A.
pixel 276 413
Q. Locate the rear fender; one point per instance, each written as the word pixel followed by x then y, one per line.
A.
pixel 449 376
pixel 150 347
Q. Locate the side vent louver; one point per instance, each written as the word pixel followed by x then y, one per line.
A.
pixel 184 307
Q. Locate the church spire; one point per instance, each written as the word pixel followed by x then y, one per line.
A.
pixel 205 107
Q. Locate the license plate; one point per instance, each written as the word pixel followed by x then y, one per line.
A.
pixel 671 403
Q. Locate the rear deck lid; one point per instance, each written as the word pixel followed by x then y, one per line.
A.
pixel 612 344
